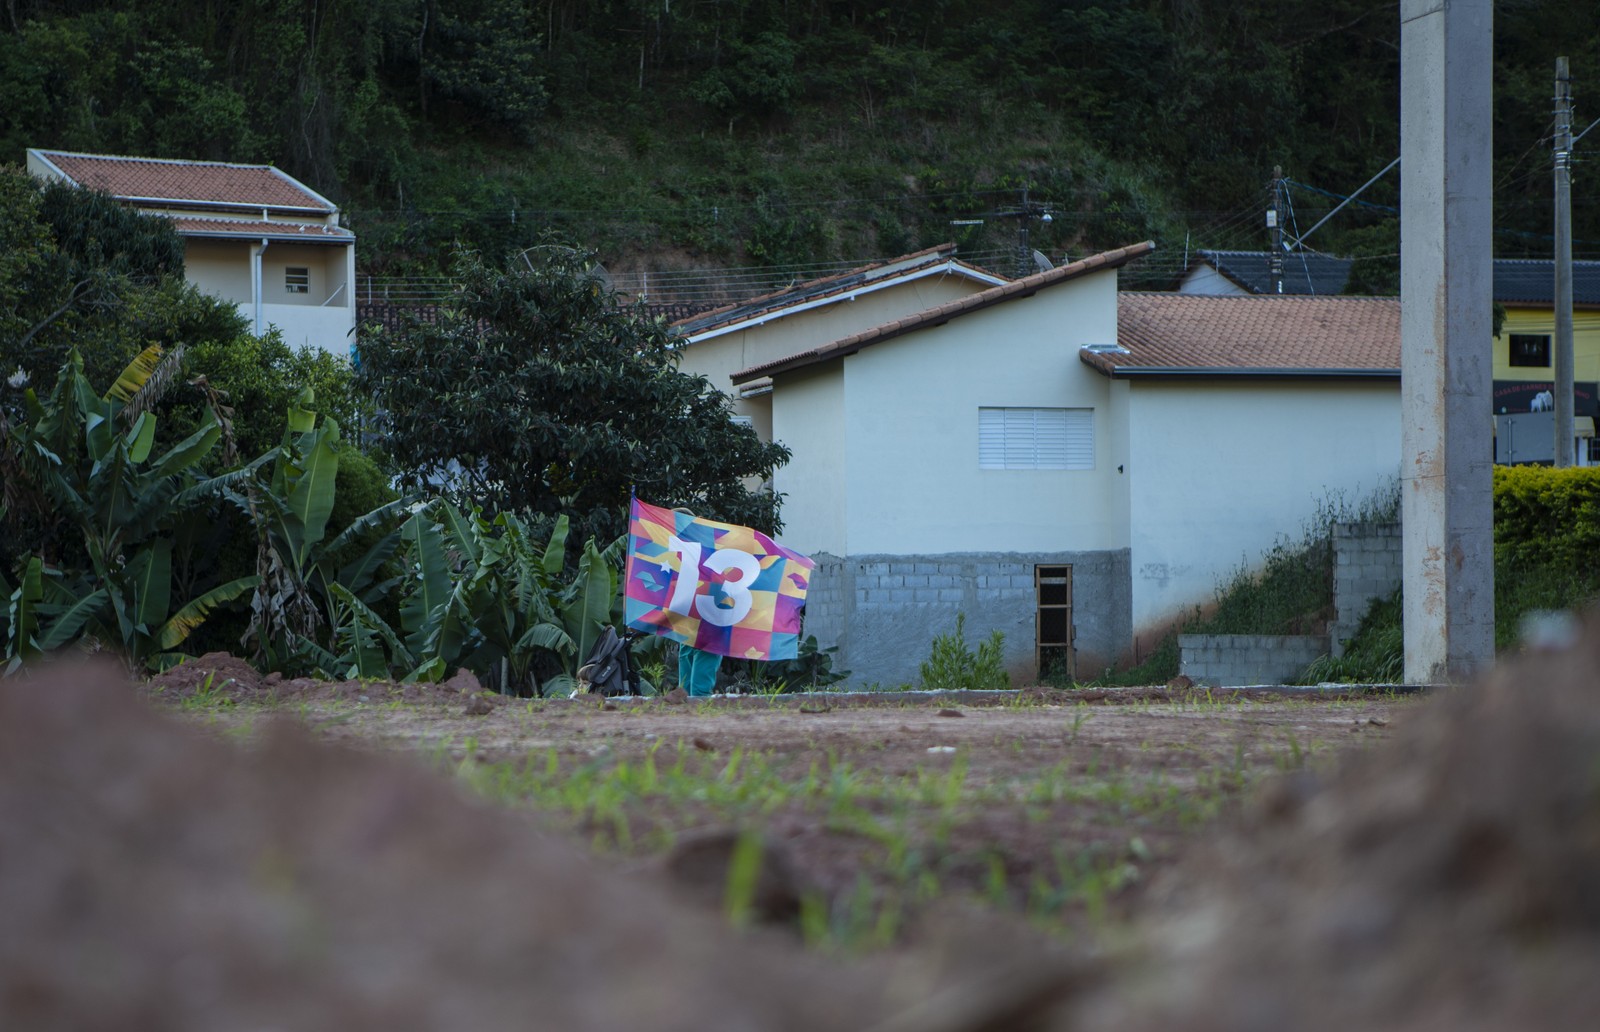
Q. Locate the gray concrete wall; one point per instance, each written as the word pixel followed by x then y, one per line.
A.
pixel 1231 660
pixel 1366 567
pixel 883 611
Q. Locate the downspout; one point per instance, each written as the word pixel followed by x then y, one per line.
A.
pixel 255 284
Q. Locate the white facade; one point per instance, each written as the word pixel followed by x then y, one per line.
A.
pixel 1221 470
pixel 912 476
pixel 1193 475
pixel 720 351
pixel 304 291
pixel 811 421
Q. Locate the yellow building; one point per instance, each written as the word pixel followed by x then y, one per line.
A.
pixel 1524 372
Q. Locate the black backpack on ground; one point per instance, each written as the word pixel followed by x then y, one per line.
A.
pixel 609 670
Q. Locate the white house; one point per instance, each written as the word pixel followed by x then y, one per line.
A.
pixel 1065 468
pixel 721 342
pixel 252 235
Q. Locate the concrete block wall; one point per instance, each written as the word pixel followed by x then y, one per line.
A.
pixel 1231 660
pixel 1366 567
pixel 884 611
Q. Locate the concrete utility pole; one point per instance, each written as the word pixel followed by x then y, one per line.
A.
pixel 1446 302
pixel 1275 231
pixel 1563 294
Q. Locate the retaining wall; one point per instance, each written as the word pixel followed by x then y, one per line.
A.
pixel 883 611
pixel 1366 567
pixel 1232 660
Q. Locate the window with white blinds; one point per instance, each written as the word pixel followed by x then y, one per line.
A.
pixel 1035 438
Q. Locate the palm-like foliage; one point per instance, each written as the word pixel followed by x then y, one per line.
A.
pixel 95 464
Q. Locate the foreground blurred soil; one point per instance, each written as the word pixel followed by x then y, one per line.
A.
pixel 213 850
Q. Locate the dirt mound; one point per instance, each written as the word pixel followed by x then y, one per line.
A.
pixel 215 672
pixel 152 877
pixel 1450 879
pixel 223 676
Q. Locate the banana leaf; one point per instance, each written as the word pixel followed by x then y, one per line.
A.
pixel 587 607
pixel 64 629
pixel 430 672
pixel 141 437
pixel 134 376
pixel 22 638
pixel 185 620
pixel 548 636
pixel 428 583
pixel 311 498
pixel 555 553
pixel 150 576
pixel 359 610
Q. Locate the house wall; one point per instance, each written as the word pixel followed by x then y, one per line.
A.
pixel 883 611
pixel 718 358
pixel 223 268
pixel 325 267
pixel 1585 343
pixel 1203 279
pixel 809 417
pixel 328 328
pixel 219 267
pixel 912 423
pixel 1225 469
pixel 916 532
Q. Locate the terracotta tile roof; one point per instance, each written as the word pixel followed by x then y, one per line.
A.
pixel 255 230
pixel 204 182
pixel 940 314
pixel 817 289
pixel 1287 335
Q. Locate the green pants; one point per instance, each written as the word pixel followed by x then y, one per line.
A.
pixel 697 670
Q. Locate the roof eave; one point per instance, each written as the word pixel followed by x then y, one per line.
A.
pixel 1117 372
pixel 1028 286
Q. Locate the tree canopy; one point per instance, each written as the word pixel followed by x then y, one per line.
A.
pixel 537 390
pixel 772 132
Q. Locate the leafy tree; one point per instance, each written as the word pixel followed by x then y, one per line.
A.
pixel 538 391
pixel 82 273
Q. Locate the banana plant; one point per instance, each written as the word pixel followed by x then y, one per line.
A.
pixel 92 455
pixel 482 595
pixel 295 557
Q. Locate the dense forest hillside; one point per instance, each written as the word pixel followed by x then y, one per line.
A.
pixel 679 133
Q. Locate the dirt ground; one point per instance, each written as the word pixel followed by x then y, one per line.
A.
pixel 234 851
pixel 1057 788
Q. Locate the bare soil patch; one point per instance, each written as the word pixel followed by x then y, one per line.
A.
pixel 1199 861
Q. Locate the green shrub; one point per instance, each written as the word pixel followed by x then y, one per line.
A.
pixel 1375 654
pixel 1547 516
pixel 951 665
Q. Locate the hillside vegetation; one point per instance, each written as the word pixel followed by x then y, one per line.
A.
pixel 770 132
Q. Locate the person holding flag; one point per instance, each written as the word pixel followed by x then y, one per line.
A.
pixel 716 589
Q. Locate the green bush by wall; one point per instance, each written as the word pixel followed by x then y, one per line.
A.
pixel 1545 516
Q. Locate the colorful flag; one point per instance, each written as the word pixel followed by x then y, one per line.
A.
pixel 721 588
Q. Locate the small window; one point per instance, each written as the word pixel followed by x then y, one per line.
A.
pixel 748 421
pixel 1530 349
pixel 296 281
pixel 1035 438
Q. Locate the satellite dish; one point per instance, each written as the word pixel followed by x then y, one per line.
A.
pixel 1040 262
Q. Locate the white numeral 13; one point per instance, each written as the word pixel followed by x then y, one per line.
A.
pixel 686 587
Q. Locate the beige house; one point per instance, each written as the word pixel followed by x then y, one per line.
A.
pixel 252 235
pixel 774 326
